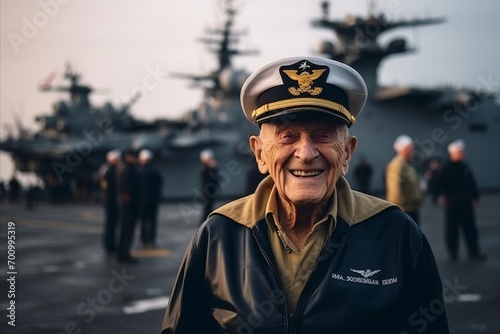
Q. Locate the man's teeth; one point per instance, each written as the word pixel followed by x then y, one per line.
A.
pixel 304 173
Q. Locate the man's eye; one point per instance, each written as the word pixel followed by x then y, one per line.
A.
pixel 325 137
pixel 287 136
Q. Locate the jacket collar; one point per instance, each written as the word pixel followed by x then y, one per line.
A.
pixel 352 206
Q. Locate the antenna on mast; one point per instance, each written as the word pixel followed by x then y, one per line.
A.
pixel 371 8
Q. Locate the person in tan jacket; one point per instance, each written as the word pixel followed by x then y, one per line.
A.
pixel 401 179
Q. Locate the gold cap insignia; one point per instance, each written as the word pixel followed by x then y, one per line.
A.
pixel 304 78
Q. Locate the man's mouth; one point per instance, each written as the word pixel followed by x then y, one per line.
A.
pixel 303 173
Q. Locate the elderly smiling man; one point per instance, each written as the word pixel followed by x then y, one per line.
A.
pixel 305 253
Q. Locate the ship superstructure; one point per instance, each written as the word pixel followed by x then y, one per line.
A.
pixel 433 117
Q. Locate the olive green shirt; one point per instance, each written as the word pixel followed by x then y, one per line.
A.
pixel 295 266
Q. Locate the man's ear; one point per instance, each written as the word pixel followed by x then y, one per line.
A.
pixel 350 147
pixel 256 147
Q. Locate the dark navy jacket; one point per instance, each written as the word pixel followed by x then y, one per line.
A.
pixel 377 275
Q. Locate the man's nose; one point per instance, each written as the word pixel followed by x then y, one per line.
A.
pixel 306 149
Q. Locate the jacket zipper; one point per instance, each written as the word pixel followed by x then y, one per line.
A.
pixel 287 248
pixel 289 322
pixel 325 255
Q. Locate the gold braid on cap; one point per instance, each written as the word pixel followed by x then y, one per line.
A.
pixel 303 102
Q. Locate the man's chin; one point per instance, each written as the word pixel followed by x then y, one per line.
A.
pixel 308 200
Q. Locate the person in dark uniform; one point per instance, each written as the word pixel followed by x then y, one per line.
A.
pixel 128 204
pixel 363 174
pixel 151 184
pixel 209 182
pixel 252 178
pixel 430 178
pixel 15 189
pixel 3 191
pixel 109 187
pixel 458 194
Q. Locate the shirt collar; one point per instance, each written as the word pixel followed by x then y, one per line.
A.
pixel 271 212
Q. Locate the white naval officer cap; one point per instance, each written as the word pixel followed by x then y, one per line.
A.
pixel 457 145
pixel 401 142
pixel 145 155
pixel 113 155
pixel 303 84
pixel 206 154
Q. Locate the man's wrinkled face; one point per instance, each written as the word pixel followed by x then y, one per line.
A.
pixel 304 157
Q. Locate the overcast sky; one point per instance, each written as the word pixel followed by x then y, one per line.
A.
pixel 114 44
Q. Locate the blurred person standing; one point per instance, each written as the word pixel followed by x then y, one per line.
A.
pixel 31 196
pixel 128 204
pixel 3 191
pixel 402 184
pixel 458 194
pixel 209 182
pixel 430 178
pixel 151 183
pixel 15 189
pixel 252 178
pixel 363 173
pixel 108 184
